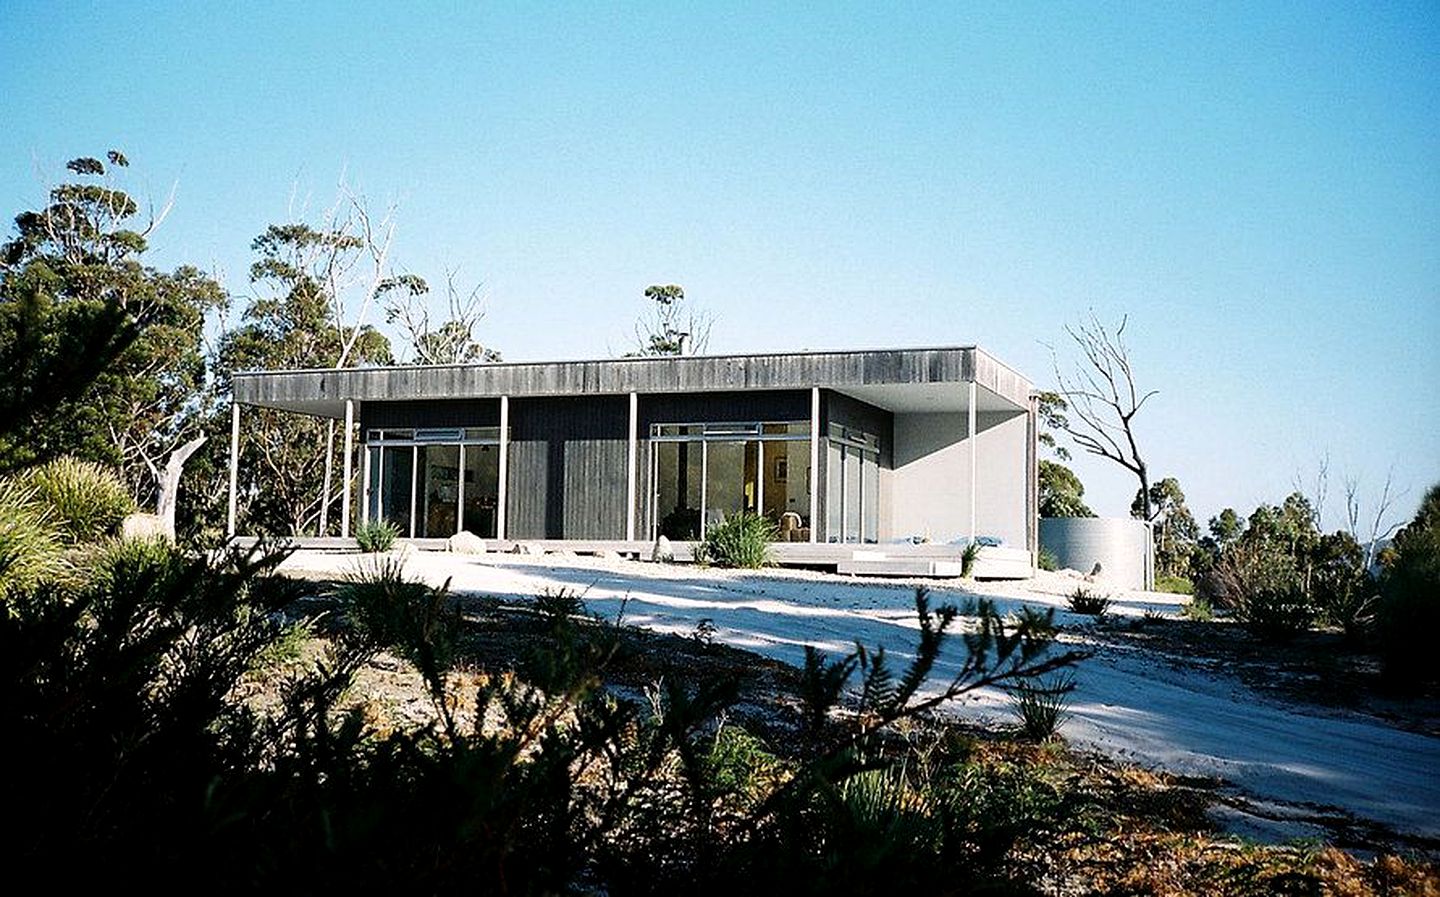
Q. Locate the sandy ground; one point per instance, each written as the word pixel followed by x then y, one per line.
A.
pixel 1307 767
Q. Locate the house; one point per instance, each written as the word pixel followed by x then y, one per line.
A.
pixel 858 457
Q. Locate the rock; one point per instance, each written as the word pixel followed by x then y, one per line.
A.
pixel 1096 573
pixel 607 555
pixel 527 548
pixel 143 526
pixel 465 543
pixel 662 553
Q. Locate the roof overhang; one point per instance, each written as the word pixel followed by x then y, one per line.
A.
pixel 900 380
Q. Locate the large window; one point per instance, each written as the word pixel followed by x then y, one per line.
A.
pixel 433 483
pixel 852 486
pixel 701 474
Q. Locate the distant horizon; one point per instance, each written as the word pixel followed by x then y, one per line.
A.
pixel 1258 188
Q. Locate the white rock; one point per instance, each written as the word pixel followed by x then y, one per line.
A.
pixel 663 553
pixel 606 554
pixel 144 526
pixel 465 543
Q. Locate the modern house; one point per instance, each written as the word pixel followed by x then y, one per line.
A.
pixel 860 458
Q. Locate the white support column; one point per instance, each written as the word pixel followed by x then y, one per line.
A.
pixel 234 465
pixel 814 463
pixel 365 485
pixel 630 467
pixel 460 494
pixel 970 434
pixel 504 475
pixel 349 468
pixel 414 485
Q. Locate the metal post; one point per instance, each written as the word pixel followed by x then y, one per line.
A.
pixel 349 468
pixel 234 464
pixel 503 474
pixel 970 434
pixel 814 463
pixel 630 468
pixel 460 494
pixel 414 484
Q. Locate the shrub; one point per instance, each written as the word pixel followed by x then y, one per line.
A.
pixel 743 540
pixel 376 536
pixel 1175 585
pixel 88 501
pixel 408 617
pixel 1040 706
pixel 1198 609
pixel 31 546
pixel 1084 601
pixel 1046 560
pixel 1342 589
pixel 559 604
pixel 1261 584
pixel 1408 611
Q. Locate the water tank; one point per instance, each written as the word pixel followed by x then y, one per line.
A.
pixel 1120 545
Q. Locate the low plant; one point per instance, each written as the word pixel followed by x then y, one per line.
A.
pixel 1046 560
pixel 1175 585
pixel 1040 706
pixel 559 604
pixel 967 559
pixel 1197 609
pixel 376 536
pixel 1264 589
pixel 88 500
pixel 1084 601
pixel 742 540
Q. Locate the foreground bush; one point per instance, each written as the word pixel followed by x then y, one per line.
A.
pixel 122 700
pixel 88 500
pixel 743 540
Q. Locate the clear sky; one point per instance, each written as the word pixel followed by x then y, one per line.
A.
pixel 1257 185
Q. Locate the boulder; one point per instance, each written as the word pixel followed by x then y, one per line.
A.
pixel 527 549
pixel 606 554
pixel 662 552
pixel 144 526
pixel 465 543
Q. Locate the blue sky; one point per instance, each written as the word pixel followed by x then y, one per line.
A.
pixel 1256 185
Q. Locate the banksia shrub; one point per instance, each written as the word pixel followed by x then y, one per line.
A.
pixel 743 541
pixel 31 545
pixel 376 536
pixel 87 501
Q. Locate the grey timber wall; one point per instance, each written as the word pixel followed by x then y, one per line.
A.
pixel 430 413
pixel 567 468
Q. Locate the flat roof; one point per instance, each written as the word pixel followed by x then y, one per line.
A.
pixel 923 379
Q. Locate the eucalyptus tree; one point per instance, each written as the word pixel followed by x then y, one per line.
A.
pixel 104 356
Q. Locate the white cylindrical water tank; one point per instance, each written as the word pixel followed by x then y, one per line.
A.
pixel 1120 545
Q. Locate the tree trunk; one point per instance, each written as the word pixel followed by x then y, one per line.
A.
pixel 169 484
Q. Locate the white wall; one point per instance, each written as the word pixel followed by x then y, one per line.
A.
pixel 930 485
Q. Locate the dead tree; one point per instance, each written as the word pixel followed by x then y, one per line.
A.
pixel 452 340
pixel 1104 400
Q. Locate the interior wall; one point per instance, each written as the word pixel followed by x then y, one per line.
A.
pixel 930 483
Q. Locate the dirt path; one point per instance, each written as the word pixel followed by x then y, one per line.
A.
pixel 1303 764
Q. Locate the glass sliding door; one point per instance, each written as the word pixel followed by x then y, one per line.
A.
pixel 785 488
pixel 480 488
pixel 397 486
pixel 439 498
pixel 703 474
pixel 432 483
pixel 677 477
pixel 731 485
pixel 869 497
pixel 852 486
